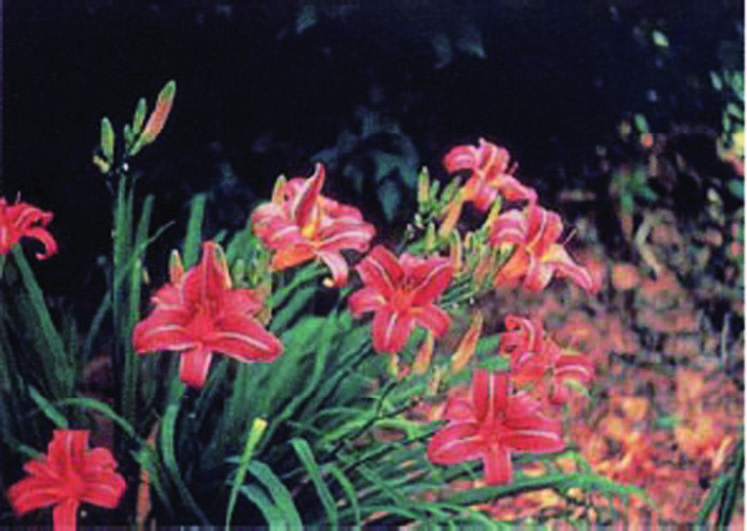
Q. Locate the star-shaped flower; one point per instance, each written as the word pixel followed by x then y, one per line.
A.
pixel 401 293
pixel 198 314
pixel 68 475
pixel 491 425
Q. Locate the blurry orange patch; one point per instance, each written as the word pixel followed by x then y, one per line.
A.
pixel 625 276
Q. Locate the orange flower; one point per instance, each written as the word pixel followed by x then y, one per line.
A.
pixel 537 256
pixel 300 224
pixel 490 174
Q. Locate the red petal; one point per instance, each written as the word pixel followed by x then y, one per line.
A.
pixel 50 245
pixel 194 365
pixel 390 330
pixel 458 408
pixel 64 515
pixel 163 330
pixel 241 301
pixel 381 271
pixel 243 338
pixel 431 317
pixel 455 443
pixel 497 465
pixel 484 195
pixel 538 274
pixel 489 394
pixel 33 493
pixel 365 300
pixel 540 438
pixel 429 279
pixel 66 451
pixel 574 367
pixel 104 489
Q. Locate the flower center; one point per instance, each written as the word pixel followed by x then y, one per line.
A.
pixel 401 299
pixel 311 227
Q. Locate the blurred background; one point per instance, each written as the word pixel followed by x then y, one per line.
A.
pixel 582 93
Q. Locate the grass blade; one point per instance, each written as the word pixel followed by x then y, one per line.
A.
pixel 306 456
pixel 255 434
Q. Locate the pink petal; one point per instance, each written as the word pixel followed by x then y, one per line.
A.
pixel 484 195
pixel 381 271
pixel 557 257
pixel 305 202
pixel 513 270
pixel 489 394
pixel 460 158
pixel 510 227
pixel 496 461
pixel 365 300
pixel 337 264
pixel 104 489
pixel 243 338
pixel 538 274
pixel 458 408
pixel 345 235
pixel 241 301
pixel 431 317
pixel 544 228
pixel 66 451
pixel 574 367
pixel 534 440
pixel 390 330
pixel 455 443
pixel 429 280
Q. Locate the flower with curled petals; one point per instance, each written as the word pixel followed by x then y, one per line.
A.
pixel 22 220
pixel 68 475
pixel 491 424
pixel 490 174
pixel 198 314
pixel 537 256
pixel 401 293
pixel 300 224
pixel 537 360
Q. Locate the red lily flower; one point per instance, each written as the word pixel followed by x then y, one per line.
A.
pixel 492 424
pixel 68 475
pixel 401 293
pixel 23 220
pixel 537 256
pixel 538 360
pixel 300 224
pixel 491 174
pixel 198 313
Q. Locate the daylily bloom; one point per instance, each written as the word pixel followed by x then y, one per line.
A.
pixel 23 220
pixel 300 224
pixel 401 293
pixel 490 425
pixel 536 359
pixel 198 314
pixel 490 174
pixel 537 256
pixel 68 475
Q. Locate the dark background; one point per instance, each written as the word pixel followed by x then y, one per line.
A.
pixel 263 87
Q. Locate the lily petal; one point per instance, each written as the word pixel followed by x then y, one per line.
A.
pixel 365 300
pixel 381 270
pixel 455 443
pixel 489 393
pixel 390 330
pixel 430 279
pixel 497 464
pixel 194 365
pixel 431 317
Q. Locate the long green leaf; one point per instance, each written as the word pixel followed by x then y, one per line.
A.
pixel 56 365
pixel 169 456
pixel 273 515
pixel 253 437
pixel 280 495
pixel 48 409
pixel 193 238
pixel 348 489
pixel 306 456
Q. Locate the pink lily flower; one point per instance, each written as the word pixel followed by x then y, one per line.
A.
pixel 401 293
pixel 491 425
